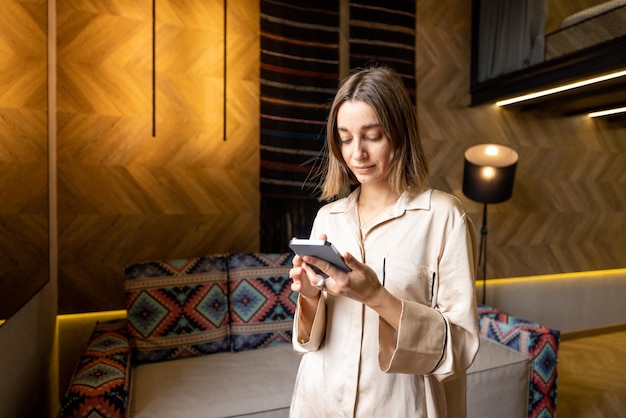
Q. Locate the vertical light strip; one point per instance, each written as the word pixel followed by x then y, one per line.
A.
pixel 153 68
pixel 224 99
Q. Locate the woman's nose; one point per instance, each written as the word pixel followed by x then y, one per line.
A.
pixel 359 150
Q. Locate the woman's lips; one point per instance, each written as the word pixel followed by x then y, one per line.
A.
pixel 363 169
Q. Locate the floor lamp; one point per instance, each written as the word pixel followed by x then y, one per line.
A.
pixel 488 177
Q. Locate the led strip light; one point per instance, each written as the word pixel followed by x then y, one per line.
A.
pixel 607 112
pixel 565 87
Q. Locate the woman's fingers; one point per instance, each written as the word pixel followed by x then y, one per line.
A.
pixel 301 282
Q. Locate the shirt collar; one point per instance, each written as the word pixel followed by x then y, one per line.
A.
pixel 405 202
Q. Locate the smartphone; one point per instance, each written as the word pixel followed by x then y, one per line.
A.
pixel 320 249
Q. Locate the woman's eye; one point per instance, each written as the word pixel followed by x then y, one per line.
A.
pixel 345 140
pixel 373 139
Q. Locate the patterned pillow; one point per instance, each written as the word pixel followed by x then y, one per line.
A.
pixel 539 343
pixel 178 308
pixel 262 304
pixel 99 386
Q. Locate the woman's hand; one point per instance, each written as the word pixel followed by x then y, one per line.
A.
pixel 361 284
pixel 300 279
pixel 309 293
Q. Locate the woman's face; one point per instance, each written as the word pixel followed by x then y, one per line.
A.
pixel 364 148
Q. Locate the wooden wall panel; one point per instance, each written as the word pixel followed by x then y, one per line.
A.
pixel 23 153
pixel 568 208
pixel 556 11
pixel 124 195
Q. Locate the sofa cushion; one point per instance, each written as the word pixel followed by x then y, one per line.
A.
pixel 251 383
pixel 497 382
pixel 262 304
pixel 178 308
pixel 100 384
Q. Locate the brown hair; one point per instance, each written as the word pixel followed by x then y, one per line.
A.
pixel 381 88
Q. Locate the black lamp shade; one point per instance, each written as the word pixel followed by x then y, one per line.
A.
pixel 489 173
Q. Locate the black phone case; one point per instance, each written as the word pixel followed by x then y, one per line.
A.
pixel 320 249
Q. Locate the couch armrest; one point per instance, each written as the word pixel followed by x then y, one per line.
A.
pixel 539 343
pixel 101 380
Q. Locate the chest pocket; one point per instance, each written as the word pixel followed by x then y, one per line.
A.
pixel 410 281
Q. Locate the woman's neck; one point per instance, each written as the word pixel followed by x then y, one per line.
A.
pixel 372 197
pixel 373 202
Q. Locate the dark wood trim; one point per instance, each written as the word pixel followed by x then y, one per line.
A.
pixel 599 59
pixel 474 84
pixel 225 93
pixel 603 58
pixel 154 68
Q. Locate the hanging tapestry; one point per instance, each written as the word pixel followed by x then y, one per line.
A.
pixel 299 75
pixel 384 33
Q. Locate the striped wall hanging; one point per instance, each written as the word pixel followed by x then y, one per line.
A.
pixel 300 60
pixel 299 73
pixel 384 32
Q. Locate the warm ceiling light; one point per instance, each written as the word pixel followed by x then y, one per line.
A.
pixel 607 112
pixel 559 89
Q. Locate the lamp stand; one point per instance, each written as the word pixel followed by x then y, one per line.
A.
pixel 488 175
pixel 482 258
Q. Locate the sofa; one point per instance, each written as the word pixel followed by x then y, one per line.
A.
pixel 211 337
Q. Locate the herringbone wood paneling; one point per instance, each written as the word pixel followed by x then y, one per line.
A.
pixel 23 153
pixel 124 195
pixel 568 208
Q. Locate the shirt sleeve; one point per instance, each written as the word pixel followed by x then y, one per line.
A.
pixel 302 341
pixel 442 339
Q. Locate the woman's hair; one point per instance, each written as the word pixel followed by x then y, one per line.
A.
pixel 383 90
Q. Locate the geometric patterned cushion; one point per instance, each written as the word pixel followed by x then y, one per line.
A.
pixel 99 385
pixel 261 300
pixel 177 308
pixel 539 343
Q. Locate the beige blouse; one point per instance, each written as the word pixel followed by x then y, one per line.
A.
pixel 357 365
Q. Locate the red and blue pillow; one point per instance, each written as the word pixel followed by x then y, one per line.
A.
pixel 539 343
pixel 178 308
pixel 262 304
pixel 99 386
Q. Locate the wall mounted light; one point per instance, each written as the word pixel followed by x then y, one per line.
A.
pixel 607 112
pixel 488 177
pixel 558 89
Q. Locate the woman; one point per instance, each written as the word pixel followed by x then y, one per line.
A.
pixel 395 335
